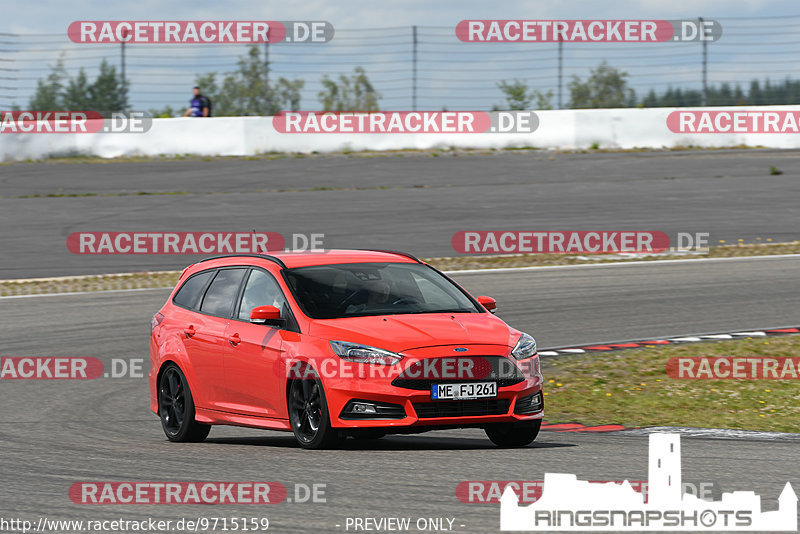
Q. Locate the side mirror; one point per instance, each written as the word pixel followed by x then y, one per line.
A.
pixel 488 302
pixel 269 315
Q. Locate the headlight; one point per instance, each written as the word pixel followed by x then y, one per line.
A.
pixel 525 348
pixel 353 352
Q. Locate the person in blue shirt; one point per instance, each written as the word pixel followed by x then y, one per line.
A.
pixel 199 105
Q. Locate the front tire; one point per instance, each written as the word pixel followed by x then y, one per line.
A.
pixel 308 415
pixel 511 435
pixel 176 407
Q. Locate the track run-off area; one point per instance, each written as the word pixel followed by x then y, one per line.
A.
pixel 56 433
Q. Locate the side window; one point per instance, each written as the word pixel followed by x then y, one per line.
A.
pixel 261 290
pixel 222 292
pixel 188 295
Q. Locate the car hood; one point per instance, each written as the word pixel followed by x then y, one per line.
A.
pixel 398 333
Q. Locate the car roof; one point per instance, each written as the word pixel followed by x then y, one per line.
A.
pixel 291 260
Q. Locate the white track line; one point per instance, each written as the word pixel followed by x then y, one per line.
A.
pixel 713 433
pixel 465 271
pixel 72 293
pixel 84 277
pixel 617 263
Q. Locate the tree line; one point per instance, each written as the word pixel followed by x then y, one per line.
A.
pixel 58 91
pixel 242 92
pixel 246 91
pixel 607 87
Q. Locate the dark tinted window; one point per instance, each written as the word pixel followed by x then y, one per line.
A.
pixel 359 289
pixel 222 292
pixel 189 295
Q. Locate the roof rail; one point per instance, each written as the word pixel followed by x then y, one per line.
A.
pixel 397 252
pixel 262 256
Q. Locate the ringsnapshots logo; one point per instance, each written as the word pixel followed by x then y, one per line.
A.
pixel 587 31
pixel 569 504
pixel 74 122
pixel 199 31
pixel 405 122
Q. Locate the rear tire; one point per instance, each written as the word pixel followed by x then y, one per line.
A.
pixel 176 407
pixel 510 435
pixel 308 415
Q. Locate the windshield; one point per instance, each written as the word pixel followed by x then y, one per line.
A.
pixel 361 289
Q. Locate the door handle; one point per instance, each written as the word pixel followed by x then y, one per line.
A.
pixel 189 331
pixel 234 339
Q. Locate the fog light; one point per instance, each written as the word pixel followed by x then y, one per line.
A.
pixel 530 404
pixel 362 407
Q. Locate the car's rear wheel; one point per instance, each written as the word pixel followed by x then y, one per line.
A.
pixel 516 434
pixel 176 407
pixel 308 415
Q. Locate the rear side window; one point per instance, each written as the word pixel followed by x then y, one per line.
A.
pixel 188 296
pixel 222 292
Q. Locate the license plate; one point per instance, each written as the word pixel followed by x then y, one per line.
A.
pixel 466 390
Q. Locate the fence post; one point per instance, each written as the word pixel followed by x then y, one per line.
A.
pixel 560 64
pixel 124 80
pixel 705 63
pixel 268 98
pixel 414 70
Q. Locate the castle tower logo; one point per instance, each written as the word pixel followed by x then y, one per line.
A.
pixel 569 504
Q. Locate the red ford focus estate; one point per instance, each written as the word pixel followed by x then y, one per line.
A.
pixel 337 344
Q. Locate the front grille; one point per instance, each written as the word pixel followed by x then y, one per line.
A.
pixel 496 369
pixel 430 410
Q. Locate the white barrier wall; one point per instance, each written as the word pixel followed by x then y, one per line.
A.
pixel 242 136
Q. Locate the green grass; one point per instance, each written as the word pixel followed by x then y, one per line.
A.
pixel 103 282
pixel 631 388
pixel 434 152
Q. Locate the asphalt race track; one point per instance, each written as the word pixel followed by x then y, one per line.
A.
pixel 414 202
pixel 54 433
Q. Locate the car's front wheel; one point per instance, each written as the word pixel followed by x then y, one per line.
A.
pixel 516 434
pixel 308 415
pixel 176 407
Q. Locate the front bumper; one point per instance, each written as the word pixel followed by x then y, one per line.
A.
pixel 406 408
